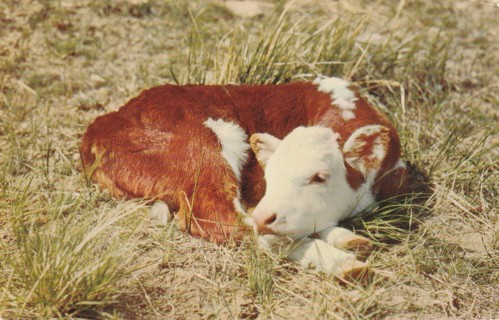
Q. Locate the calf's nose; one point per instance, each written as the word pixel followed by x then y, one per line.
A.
pixel 264 222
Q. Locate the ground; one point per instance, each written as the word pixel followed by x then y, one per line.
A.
pixel 69 250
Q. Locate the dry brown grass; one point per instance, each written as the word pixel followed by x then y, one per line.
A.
pixel 68 250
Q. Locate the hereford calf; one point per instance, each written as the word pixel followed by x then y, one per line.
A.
pixel 321 153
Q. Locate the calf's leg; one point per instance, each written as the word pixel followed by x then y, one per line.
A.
pixel 345 239
pixel 318 255
pixel 213 212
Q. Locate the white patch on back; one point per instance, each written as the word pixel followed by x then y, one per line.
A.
pixel 348 115
pixel 234 143
pixel 342 96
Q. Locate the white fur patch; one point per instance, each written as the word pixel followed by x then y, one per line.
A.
pixel 342 96
pixel 364 197
pixel 400 164
pixel 161 212
pixel 234 143
pixel 246 218
pixel 348 115
pixel 378 149
pixel 317 255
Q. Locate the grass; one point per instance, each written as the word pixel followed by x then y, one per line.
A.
pixel 260 272
pixel 71 251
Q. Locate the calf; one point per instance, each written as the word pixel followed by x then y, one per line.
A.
pixel 321 153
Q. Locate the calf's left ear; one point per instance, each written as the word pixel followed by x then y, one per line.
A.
pixel 263 145
pixel 366 148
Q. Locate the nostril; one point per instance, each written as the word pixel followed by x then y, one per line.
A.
pixel 270 219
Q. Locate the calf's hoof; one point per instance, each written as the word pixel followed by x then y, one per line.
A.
pixel 160 212
pixel 353 270
pixel 358 244
pixel 347 240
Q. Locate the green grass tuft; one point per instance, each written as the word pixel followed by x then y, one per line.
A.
pixel 260 270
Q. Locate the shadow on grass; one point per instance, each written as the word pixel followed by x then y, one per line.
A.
pixel 390 221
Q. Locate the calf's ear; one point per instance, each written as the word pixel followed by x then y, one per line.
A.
pixel 366 148
pixel 263 145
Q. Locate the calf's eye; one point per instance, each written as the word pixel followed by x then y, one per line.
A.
pixel 319 178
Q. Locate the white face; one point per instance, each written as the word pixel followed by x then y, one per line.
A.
pixel 307 190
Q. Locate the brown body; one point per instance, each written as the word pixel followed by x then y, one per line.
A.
pixel 156 147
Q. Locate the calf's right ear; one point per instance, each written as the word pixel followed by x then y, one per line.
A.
pixel 263 145
pixel 366 149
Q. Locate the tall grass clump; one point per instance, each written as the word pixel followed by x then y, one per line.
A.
pixel 69 265
pixel 260 270
pixel 289 46
pixel 283 49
